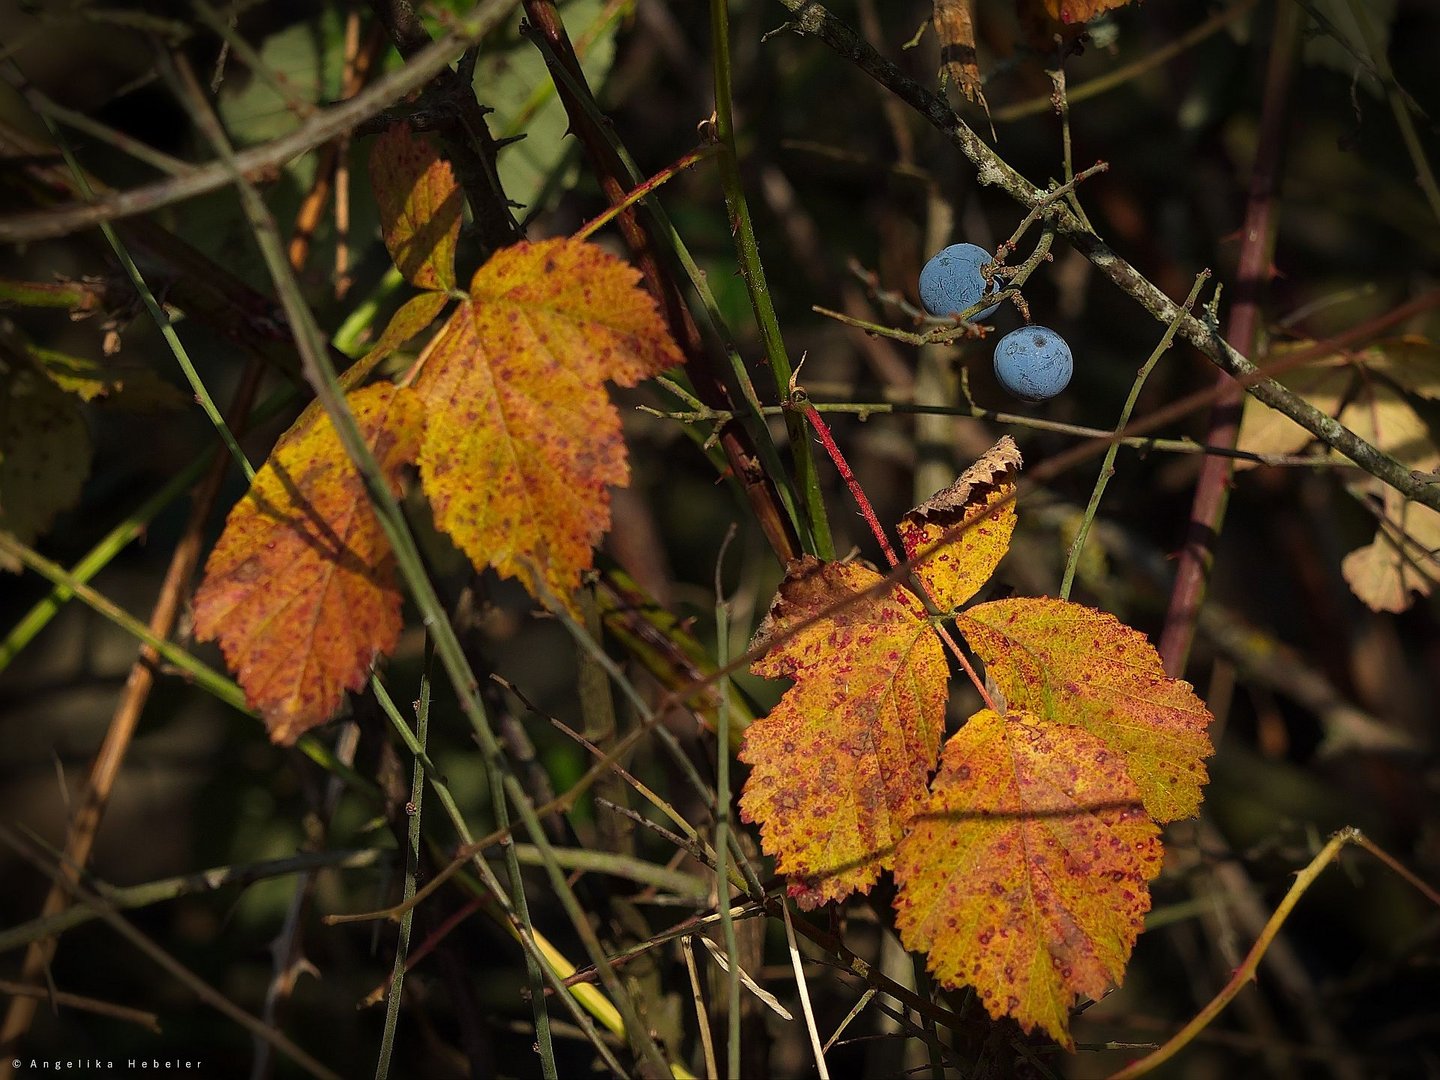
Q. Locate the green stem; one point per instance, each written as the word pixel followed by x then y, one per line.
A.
pixel 162 320
pixel 752 270
pixel 1107 467
pixel 203 675
pixel 412 867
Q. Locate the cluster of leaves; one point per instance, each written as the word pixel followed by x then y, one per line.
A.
pixel 1022 867
pixel 505 413
pixel 1371 393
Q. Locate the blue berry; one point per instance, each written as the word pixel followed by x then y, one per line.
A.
pixel 952 281
pixel 1033 363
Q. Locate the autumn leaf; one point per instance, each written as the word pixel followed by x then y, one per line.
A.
pixel 1025 875
pixel 983 498
pixel 1367 391
pixel 1069 664
pixel 44 454
pixel 1404 557
pixel 522 441
pixel 1080 11
pixel 300 590
pixel 419 205
pixel 841 763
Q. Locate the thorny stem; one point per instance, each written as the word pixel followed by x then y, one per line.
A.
pixel 641 191
pixel 752 270
pixel 747 445
pixel 322 127
pixel 801 403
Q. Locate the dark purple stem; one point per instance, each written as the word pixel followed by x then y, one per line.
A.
pixel 1212 489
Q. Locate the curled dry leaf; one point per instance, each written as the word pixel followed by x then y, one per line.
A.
pixel 955 26
pixel 300 589
pixel 977 512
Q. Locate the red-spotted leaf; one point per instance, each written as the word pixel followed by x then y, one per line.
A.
pixel 1025 875
pixel 419 205
pixel 1070 664
pixel 522 441
pixel 980 508
pixel 300 590
pixel 841 763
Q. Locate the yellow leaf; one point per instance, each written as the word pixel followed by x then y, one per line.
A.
pixel 1069 664
pixel 419 205
pixel 1025 875
pixel 970 504
pixel 521 441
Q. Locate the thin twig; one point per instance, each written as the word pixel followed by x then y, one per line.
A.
pixel 813 19
pixel 1246 972
pixel 1107 467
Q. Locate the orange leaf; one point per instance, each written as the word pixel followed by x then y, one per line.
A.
pixel 419 207
pixel 521 440
pixel 301 589
pixel 1025 875
pixel 841 763
pixel 956 573
pixel 1080 11
pixel 1070 664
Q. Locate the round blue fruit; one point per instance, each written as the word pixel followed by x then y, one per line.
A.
pixel 952 281
pixel 1033 363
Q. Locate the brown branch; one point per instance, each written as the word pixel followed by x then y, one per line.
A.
pixel 736 442
pixel 814 20
pixel 464 135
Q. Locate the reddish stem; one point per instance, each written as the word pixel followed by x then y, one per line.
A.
pixel 867 511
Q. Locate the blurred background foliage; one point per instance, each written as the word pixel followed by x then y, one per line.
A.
pixel 1326 711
